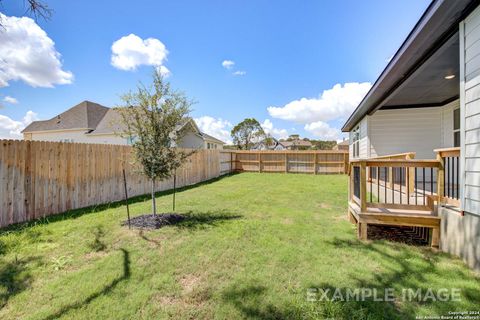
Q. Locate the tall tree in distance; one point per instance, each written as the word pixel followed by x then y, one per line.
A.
pixel 246 133
pixel 153 117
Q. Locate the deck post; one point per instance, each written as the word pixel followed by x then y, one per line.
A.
pixel 363 186
pixel 440 178
pixel 362 226
pixel 411 177
pixel 435 237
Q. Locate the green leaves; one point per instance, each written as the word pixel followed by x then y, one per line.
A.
pixel 246 133
pixel 154 116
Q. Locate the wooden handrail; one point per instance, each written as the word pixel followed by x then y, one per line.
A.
pixel 397 163
pixel 398 156
pixel 448 152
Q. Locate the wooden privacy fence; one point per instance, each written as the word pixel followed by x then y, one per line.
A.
pixel 311 161
pixel 38 179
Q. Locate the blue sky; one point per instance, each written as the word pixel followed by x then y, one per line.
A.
pixel 287 53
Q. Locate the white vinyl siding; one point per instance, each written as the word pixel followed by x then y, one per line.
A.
pixel 416 130
pixel 470 110
pixel 363 140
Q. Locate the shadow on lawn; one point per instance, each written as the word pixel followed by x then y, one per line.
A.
pixel 250 302
pixel 405 269
pixel 14 278
pixel 95 295
pixel 75 213
pixel 201 220
pixel 194 221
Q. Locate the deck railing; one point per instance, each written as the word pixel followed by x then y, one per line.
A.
pixel 399 181
pixel 449 190
pixel 397 184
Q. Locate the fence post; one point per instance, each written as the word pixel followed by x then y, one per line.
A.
pixel 259 157
pixel 363 187
pixel 440 178
pixel 286 163
pixel 315 163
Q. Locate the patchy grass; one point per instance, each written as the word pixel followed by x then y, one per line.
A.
pixel 252 246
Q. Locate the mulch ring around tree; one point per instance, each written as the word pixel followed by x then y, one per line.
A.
pixel 149 221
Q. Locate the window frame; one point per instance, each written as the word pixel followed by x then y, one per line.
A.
pixel 455 131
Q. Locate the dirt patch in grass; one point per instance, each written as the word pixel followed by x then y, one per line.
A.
pixel 149 221
pixel 189 282
pixel 287 221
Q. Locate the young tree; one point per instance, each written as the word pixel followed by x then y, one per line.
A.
pixel 246 133
pixel 153 117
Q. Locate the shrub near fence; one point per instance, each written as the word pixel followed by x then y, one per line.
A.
pixel 38 178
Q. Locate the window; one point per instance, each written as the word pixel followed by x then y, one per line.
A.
pixel 130 140
pixel 456 128
pixel 356 142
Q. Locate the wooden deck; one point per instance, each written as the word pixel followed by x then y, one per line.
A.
pixel 420 216
pixel 403 191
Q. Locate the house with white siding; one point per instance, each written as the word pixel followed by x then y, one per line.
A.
pixel 89 122
pixel 415 137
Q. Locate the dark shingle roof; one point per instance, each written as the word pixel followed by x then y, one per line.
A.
pixel 110 123
pixel 85 115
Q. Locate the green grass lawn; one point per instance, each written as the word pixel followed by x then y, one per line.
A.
pixel 252 247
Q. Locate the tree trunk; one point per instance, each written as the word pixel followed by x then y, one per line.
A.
pixel 154 204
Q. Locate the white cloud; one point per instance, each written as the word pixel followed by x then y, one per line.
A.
pixel 323 131
pixel 131 51
pixel 11 129
pixel 228 64
pixel 239 73
pixel 164 71
pixel 268 127
pixel 29 55
pixel 218 128
pixel 335 103
pixel 10 100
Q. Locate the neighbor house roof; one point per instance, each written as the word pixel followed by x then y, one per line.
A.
pixel 437 25
pixel 99 119
pixel 300 143
pixel 110 123
pixel 85 115
pixel 209 137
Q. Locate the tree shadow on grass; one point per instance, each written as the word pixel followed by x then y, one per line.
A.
pixel 15 277
pixel 250 302
pixel 202 220
pixel 111 286
pixel 402 268
pixel 75 213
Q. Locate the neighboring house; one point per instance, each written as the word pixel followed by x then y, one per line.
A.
pixel 90 122
pixel 269 143
pixel 342 146
pixel 296 144
pixel 428 98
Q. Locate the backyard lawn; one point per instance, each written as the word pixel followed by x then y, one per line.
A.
pixel 252 247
